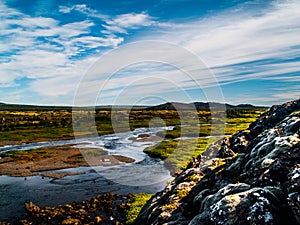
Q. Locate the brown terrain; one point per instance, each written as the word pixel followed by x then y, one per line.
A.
pixel 32 162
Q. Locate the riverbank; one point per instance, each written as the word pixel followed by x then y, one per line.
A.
pixel 56 173
pixel 12 143
pixel 32 162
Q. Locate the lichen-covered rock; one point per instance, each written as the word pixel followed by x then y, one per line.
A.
pixel 294 191
pixel 233 204
pixel 227 190
pixel 253 177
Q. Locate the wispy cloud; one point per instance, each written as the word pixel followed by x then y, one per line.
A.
pixel 241 45
pixel 84 9
pixel 38 47
pixel 54 56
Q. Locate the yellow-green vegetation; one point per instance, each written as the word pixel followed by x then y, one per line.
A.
pixel 175 200
pixel 43 125
pixel 182 193
pixel 29 155
pixel 136 203
pixel 177 153
pixel 297 112
pixel 45 152
pixel 186 131
pixel 171 206
pixel 195 178
pixel 93 151
pixel 240 119
pixel 30 126
pixel 185 151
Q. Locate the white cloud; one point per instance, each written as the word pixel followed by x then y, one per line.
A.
pixel 84 9
pixel 39 47
pixel 237 46
pixel 132 20
pixel 121 23
pixel 242 45
pixel 95 42
pixel 288 96
pixel 245 39
pixel 50 54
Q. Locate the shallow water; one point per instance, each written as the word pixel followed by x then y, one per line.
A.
pixel 144 175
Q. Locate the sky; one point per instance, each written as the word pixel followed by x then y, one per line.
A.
pixel 52 50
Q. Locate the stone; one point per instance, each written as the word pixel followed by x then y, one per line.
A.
pixel 71 222
pixel 252 177
pixel 227 190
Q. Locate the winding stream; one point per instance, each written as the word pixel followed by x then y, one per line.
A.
pixel 144 175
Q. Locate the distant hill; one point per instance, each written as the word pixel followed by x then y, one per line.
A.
pixel 165 106
pixel 202 106
pixel 20 107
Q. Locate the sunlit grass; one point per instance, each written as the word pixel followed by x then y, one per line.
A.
pixel 177 153
pixel 136 203
pixel 28 126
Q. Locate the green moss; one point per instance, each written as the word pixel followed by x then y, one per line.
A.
pixel 162 150
pixel 170 206
pixel 177 154
pixel 136 203
pixel 12 154
pixel 193 178
pixel 93 152
pixel 182 193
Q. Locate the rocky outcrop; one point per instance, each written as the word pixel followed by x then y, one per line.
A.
pixel 253 179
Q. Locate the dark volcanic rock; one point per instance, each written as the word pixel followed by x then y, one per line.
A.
pixel 254 178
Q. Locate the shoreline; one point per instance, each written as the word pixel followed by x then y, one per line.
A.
pixel 11 143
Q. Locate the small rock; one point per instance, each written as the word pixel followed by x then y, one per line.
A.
pixel 71 222
pixel 98 220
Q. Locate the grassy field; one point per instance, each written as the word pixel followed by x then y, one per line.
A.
pixel 178 153
pixel 40 125
pixel 30 126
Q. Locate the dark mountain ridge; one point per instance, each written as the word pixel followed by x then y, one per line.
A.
pixel 21 107
pixel 165 106
pixel 202 106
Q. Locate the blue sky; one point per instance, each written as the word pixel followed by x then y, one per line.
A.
pixel 251 48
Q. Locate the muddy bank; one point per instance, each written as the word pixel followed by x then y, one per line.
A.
pixel 32 162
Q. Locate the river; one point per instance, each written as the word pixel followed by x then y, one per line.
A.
pixel 144 175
